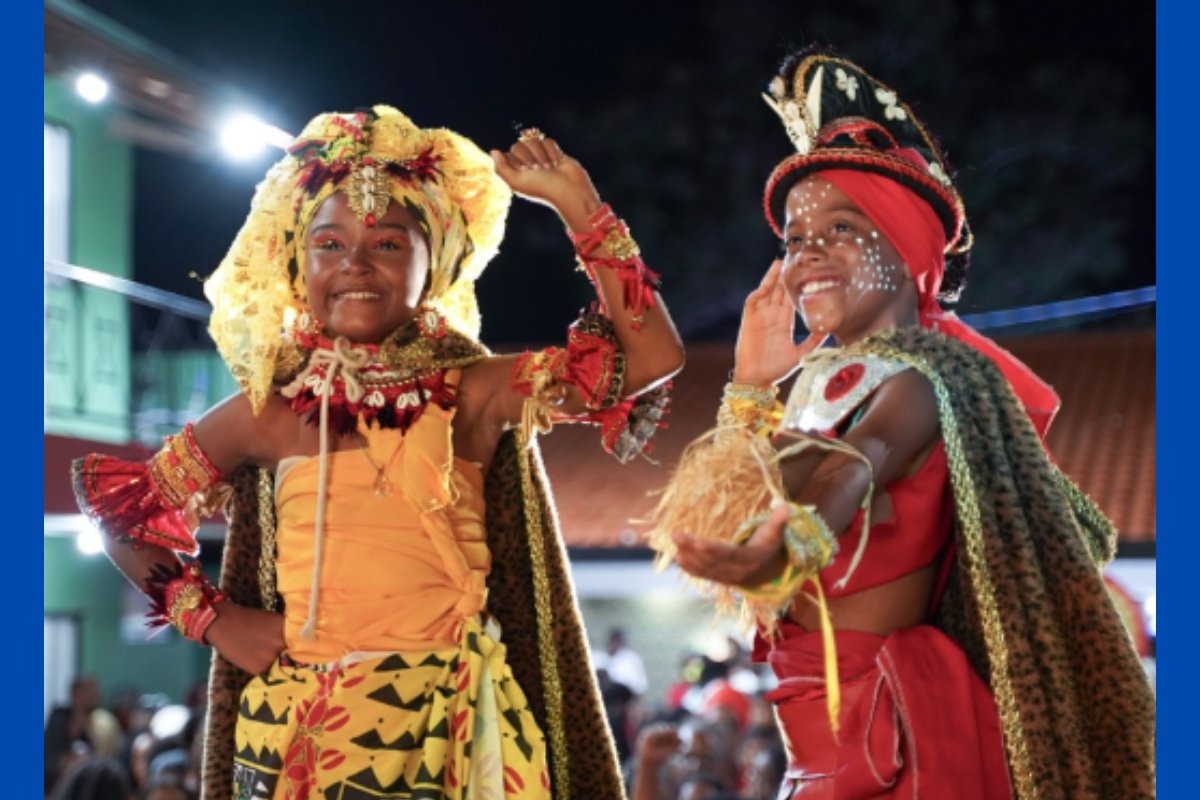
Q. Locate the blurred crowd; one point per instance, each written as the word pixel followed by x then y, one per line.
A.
pixel 135 747
pixel 711 736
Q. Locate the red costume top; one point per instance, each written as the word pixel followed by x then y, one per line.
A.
pixel 918 531
pixel 916 720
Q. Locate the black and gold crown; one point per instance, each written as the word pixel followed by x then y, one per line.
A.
pixel 839 117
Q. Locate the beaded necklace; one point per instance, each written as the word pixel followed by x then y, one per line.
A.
pixel 390 384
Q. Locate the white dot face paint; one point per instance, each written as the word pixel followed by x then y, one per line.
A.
pixel 878 271
pixel 841 273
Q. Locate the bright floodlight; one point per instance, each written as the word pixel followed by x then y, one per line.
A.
pixel 91 87
pixel 245 135
pixel 88 540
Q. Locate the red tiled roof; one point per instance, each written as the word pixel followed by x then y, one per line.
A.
pixel 1103 437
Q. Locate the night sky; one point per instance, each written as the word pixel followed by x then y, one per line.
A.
pixel 1047 114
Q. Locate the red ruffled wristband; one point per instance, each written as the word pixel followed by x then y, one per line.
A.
pixel 592 362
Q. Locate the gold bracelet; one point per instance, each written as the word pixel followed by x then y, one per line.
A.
pixel 183 597
pixel 180 469
pixel 620 244
pixel 750 406
pixel 810 547
pixel 184 601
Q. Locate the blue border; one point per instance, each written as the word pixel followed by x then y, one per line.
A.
pixel 22 481
pixel 1174 204
pixel 1175 175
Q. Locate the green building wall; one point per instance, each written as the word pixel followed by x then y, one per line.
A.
pixel 87 328
pixel 88 384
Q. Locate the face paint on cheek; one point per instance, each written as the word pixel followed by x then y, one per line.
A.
pixel 888 278
pixel 860 277
pixel 873 272
pixel 807 202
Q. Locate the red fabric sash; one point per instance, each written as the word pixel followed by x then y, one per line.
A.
pixel 916 720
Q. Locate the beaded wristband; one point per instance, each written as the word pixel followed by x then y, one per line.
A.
pixel 628 428
pixel 810 547
pixel 750 406
pixel 182 597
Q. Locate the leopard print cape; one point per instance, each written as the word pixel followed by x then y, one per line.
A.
pixel 1026 600
pixel 529 592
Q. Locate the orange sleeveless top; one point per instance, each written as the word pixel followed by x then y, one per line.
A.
pixel 400 571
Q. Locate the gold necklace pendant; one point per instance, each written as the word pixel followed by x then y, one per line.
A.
pixel 383 485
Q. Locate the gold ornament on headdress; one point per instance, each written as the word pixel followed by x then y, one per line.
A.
pixel 447 182
pixel 368 193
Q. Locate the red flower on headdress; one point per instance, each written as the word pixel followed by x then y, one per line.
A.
pixel 316 173
pixel 422 168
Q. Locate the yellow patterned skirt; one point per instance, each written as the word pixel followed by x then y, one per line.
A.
pixel 447 724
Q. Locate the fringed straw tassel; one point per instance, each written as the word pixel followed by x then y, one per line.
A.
pixel 724 486
pixel 723 479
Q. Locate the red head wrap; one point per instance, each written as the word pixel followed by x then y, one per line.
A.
pixel 911 226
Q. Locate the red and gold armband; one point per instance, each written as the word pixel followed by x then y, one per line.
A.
pixel 593 363
pixel 182 597
pixel 158 502
pixel 623 256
